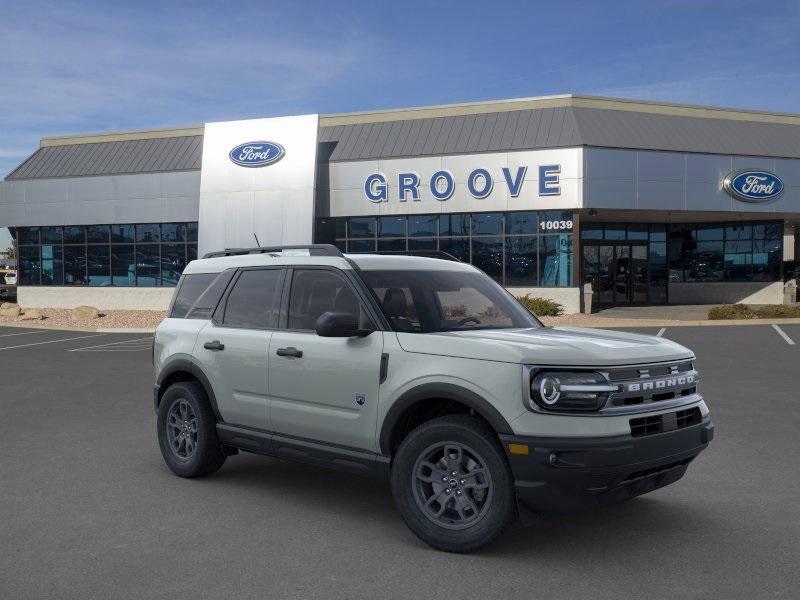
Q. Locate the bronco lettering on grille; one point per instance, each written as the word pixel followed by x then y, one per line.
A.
pixel 660 384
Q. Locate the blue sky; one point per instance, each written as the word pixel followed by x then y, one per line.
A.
pixel 74 67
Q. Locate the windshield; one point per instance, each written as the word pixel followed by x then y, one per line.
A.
pixel 428 301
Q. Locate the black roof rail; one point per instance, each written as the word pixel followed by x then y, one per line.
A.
pixel 313 250
pixel 441 254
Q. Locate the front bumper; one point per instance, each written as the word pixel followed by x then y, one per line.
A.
pixel 567 475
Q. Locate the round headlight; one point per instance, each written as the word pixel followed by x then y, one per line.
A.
pixel 570 390
pixel 549 390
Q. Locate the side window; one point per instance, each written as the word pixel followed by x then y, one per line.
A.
pixel 399 306
pixel 190 289
pixel 316 291
pixel 254 300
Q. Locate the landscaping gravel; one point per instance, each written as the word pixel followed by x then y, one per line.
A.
pixel 59 318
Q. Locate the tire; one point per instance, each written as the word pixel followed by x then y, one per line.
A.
pixel 187 432
pixel 479 504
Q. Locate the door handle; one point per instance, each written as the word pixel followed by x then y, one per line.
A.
pixel 290 351
pixel 215 345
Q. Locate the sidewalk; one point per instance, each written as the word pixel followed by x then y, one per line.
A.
pixel 695 312
pixel 655 316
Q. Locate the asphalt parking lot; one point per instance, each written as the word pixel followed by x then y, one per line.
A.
pixel 88 509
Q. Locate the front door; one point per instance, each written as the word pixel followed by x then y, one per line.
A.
pixel 618 272
pixel 324 388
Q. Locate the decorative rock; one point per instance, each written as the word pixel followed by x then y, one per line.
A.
pixel 11 311
pixel 8 304
pixel 30 315
pixel 84 313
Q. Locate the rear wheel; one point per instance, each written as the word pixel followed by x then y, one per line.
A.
pixel 452 484
pixel 187 433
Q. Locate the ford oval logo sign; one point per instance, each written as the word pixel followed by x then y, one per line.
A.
pixel 753 186
pixel 257 154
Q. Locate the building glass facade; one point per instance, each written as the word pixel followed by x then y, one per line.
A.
pixel 517 249
pixel 726 252
pixel 634 262
pixel 141 255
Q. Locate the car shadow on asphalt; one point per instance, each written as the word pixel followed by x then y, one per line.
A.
pixel 633 525
pixel 630 528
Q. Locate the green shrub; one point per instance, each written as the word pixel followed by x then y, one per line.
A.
pixel 541 307
pixel 748 311
pixel 778 311
pixel 731 311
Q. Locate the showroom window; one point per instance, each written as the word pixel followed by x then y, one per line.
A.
pixel 747 251
pixel 516 249
pixel 142 254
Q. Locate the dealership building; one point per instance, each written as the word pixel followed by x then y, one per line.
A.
pixel 650 203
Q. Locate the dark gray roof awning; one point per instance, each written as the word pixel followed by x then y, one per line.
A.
pixel 648 131
pixel 489 132
pixel 561 127
pixel 182 153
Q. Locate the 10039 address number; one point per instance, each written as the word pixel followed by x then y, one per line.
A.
pixel 556 225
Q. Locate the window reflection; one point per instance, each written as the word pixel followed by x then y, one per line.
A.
pixel 145 254
pixel 173 261
pixel 509 246
pixel 148 265
pixel 726 252
pixel 123 265
pixel 75 265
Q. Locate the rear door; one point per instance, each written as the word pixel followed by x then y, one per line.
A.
pixel 232 348
pixel 324 389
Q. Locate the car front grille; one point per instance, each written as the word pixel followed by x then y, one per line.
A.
pixel 654 424
pixel 652 383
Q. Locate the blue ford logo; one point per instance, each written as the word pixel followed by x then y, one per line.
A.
pixel 257 154
pixel 753 186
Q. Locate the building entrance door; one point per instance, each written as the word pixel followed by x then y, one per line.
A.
pixel 618 272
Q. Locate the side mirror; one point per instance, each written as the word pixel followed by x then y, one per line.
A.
pixel 339 324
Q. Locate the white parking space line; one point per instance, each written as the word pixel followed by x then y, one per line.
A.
pixel 82 337
pixel 661 332
pixel 121 346
pixel 23 333
pixel 782 333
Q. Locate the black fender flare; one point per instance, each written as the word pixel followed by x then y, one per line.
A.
pixel 187 366
pixel 447 391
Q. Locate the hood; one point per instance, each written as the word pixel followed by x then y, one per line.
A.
pixel 563 346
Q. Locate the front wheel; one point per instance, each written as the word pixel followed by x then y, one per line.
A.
pixel 187 431
pixel 452 484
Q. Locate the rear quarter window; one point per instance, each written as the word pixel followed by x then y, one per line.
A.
pixel 189 290
pixel 204 306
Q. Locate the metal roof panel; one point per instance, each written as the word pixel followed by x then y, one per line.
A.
pixel 182 153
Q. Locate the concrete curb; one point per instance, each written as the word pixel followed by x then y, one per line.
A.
pixel 127 330
pixel 45 326
pixel 609 323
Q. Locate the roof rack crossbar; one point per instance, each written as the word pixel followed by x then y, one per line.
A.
pixel 313 250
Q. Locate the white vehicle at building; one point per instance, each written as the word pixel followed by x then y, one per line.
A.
pixel 8 283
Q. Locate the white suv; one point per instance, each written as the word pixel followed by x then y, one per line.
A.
pixel 425 371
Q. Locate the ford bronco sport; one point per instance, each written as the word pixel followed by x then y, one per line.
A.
pixel 425 371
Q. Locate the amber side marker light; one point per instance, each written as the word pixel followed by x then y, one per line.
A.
pixel 518 449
